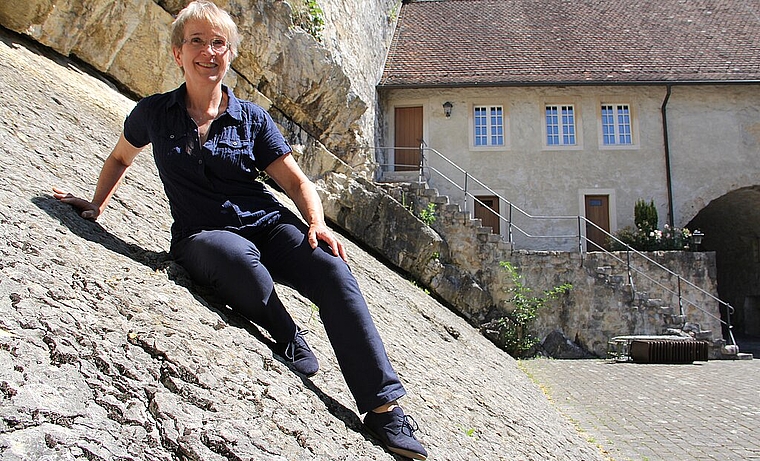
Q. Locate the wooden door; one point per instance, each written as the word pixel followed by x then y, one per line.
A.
pixel 484 213
pixel 598 212
pixel 408 136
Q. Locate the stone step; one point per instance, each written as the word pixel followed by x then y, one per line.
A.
pixel 604 270
pixel 430 193
pixel 401 176
pixel 704 334
pixel 616 279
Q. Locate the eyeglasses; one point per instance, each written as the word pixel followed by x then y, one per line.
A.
pixel 218 45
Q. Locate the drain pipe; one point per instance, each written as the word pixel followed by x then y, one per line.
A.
pixel 666 143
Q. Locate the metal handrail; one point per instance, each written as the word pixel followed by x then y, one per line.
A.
pixel 580 235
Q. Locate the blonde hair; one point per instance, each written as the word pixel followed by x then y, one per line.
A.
pixel 204 10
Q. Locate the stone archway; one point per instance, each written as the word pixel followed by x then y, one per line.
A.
pixel 731 225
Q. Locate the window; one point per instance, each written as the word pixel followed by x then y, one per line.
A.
pixel 616 124
pixel 560 126
pixel 489 126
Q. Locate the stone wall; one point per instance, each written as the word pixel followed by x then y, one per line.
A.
pixel 604 301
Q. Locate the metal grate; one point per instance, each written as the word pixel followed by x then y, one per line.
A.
pixel 668 351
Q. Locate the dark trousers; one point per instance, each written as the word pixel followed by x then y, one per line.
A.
pixel 242 268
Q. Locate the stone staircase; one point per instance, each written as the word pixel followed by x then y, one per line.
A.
pixel 665 320
pixel 473 245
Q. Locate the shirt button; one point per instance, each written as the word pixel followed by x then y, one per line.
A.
pixel 234 143
pixel 171 136
pixel 200 162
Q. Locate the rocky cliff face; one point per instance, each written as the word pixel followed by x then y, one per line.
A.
pixel 323 83
pixel 319 86
pixel 108 352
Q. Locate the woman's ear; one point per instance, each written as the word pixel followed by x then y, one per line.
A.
pixel 177 52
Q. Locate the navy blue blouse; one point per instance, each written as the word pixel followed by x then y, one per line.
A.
pixel 210 186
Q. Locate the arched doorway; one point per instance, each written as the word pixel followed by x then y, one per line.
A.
pixel 731 225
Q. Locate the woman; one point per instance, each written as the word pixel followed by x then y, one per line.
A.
pixel 232 234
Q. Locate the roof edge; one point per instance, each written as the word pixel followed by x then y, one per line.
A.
pixel 404 86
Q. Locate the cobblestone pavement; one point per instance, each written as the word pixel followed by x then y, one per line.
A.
pixel 650 412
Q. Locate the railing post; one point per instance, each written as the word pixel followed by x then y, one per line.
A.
pixel 466 177
pixel 729 308
pixel 422 162
pixel 630 275
pixel 509 227
pixel 680 299
pixel 580 237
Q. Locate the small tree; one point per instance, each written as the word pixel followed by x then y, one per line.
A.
pixel 645 216
pixel 513 331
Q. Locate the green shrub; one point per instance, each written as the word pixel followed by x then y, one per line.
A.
pixel 427 214
pixel 645 216
pixel 513 331
pixel 646 236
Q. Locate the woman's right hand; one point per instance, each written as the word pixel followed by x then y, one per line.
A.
pixel 87 210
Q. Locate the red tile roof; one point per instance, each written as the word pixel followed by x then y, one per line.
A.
pixel 533 42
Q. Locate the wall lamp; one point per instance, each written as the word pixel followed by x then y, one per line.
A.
pixel 447 108
pixel 696 239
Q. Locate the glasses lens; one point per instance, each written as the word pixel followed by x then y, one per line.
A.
pixel 219 45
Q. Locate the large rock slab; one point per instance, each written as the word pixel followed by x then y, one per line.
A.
pixel 325 84
pixel 107 351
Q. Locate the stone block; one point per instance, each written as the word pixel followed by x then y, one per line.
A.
pixel 703 335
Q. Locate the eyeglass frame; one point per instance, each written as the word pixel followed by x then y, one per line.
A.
pixel 200 44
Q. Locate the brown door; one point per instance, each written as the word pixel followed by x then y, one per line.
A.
pixel 408 136
pixel 598 212
pixel 485 212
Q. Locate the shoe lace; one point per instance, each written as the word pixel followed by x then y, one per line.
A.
pixel 290 349
pixel 409 425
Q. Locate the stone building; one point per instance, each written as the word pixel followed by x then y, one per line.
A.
pixel 566 109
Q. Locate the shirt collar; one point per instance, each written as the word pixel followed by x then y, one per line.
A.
pixel 178 97
pixel 233 105
pixel 234 109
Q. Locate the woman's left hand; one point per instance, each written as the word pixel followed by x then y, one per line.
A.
pixel 323 233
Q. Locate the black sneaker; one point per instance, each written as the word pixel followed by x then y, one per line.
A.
pixel 298 354
pixel 396 431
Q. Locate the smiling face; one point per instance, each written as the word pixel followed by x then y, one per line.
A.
pixel 199 62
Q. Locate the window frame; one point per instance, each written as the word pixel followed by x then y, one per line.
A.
pixel 632 123
pixel 489 106
pixel 577 125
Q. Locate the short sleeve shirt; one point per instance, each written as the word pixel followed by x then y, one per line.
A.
pixel 210 186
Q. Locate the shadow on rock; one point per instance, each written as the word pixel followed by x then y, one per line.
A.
pixel 161 261
pixel 94 232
